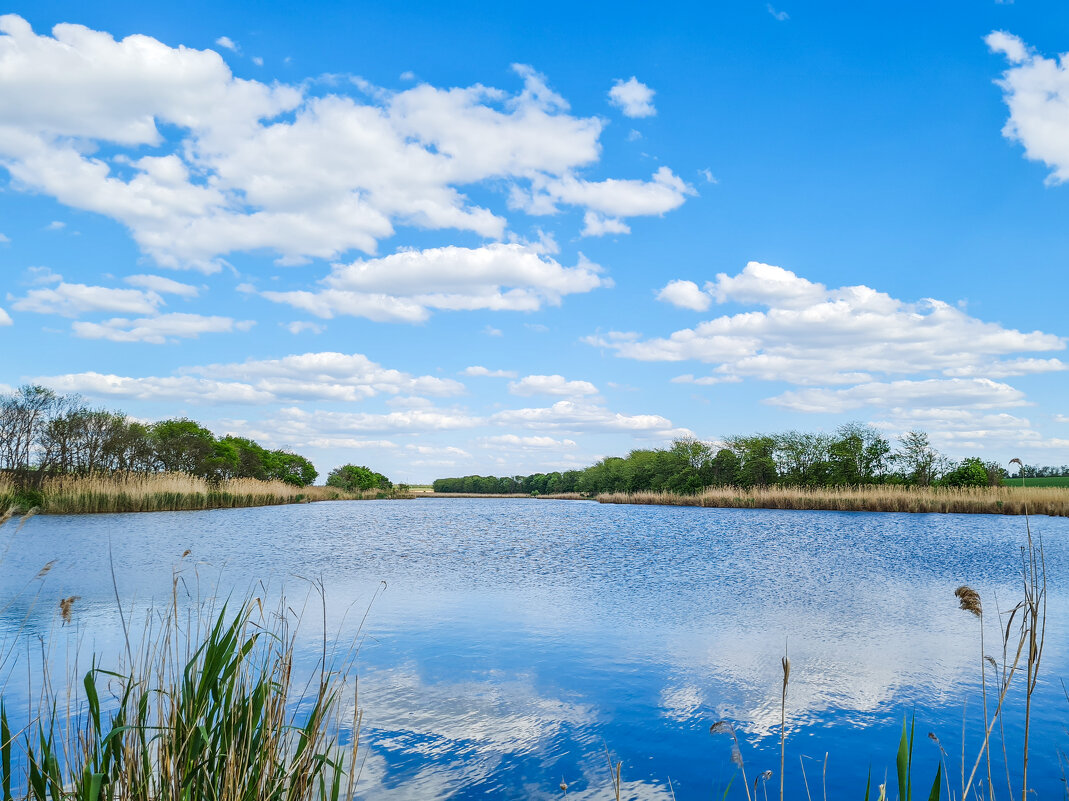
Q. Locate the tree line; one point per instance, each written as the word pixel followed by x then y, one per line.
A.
pixel 854 454
pixel 44 433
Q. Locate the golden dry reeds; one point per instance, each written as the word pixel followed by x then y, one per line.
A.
pixel 876 498
pixel 159 492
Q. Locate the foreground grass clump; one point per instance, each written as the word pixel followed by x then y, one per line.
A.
pixel 189 717
pixel 878 498
pixel 159 492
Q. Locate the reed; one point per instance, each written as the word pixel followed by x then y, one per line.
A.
pixel 205 710
pixel 159 492
pixel 876 498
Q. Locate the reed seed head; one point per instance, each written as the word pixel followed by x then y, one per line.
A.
pixel 786 670
pixel 969 599
pixel 720 727
pixel 65 606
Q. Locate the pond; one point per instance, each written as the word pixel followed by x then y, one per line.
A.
pixel 516 641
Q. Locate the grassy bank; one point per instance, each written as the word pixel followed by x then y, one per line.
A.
pixel 886 498
pixel 160 492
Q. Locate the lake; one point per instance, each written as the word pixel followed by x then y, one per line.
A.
pixel 516 640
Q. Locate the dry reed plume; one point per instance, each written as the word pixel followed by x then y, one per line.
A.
pixel 876 498
pixel 158 492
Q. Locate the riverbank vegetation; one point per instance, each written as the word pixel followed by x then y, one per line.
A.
pixel 855 455
pixel 886 498
pixel 159 492
pixel 44 434
pixel 61 456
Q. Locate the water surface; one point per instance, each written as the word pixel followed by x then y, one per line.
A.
pixel 516 640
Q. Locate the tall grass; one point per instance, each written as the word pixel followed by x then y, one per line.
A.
pixel 876 498
pixel 186 718
pixel 157 492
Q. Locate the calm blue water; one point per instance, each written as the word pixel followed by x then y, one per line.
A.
pixel 517 640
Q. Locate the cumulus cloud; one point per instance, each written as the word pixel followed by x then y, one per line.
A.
pixel 632 97
pixel 228 43
pixel 1036 90
pixel 685 295
pixel 613 197
pixel 300 326
pixel 479 370
pixel 579 416
pixel 407 286
pixel 526 443
pixel 162 285
pixel 551 385
pixel 977 393
pixel 239 165
pixel 5 318
pixel 849 348
pixel 72 300
pixel 596 225
pixel 160 329
pixel 814 335
pixel 325 376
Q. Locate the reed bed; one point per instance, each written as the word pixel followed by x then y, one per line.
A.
pixel 879 498
pixel 160 492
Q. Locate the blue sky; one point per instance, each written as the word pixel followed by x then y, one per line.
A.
pixel 499 239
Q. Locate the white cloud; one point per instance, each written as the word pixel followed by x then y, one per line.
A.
pixel 71 300
pixel 4 239
pixel 632 97
pixel 707 174
pixel 685 294
pixel 975 393
pixel 228 43
pixel 1036 89
pixel 300 326
pixel 407 286
pixel 490 331
pixel 159 330
pixel 5 318
pixel 162 286
pixel 478 370
pixel 779 16
pixel 962 430
pixel 813 335
pixel 184 389
pixel 55 225
pixel 1061 418
pixel 526 443
pixel 551 385
pixel 706 380
pixel 300 425
pixel 614 197
pixel 323 376
pixel 259 62
pixel 596 225
pixel 580 416
pixel 256 166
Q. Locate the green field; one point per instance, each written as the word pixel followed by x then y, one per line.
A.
pixel 1050 481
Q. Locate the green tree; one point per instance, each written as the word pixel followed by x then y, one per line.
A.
pixel 971 472
pixel 356 478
